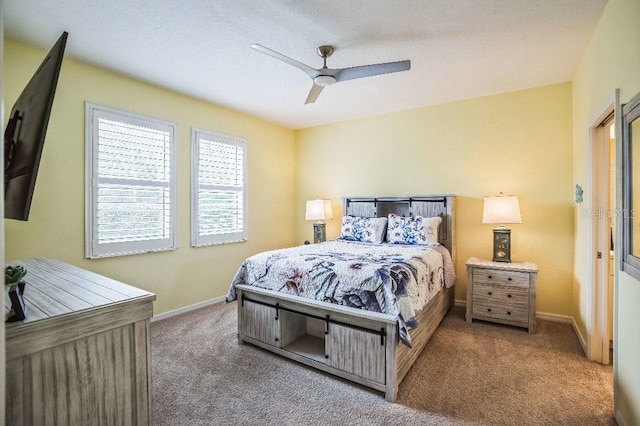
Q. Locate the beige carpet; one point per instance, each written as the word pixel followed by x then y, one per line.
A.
pixel 469 374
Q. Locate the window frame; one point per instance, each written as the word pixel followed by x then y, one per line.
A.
pixel 93 248
pixel 630 114
pixel 198 240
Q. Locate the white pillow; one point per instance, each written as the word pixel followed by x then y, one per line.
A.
pixel 413 230
pixel 365 229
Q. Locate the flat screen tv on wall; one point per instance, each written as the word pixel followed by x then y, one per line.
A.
pixel 26 131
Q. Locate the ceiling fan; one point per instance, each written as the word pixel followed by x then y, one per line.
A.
pixel 324 76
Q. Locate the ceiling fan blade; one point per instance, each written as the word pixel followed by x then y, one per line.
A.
pixel 313 94
pixel 371 70
pixel 311 72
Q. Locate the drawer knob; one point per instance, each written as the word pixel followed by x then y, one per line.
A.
pixel 508 313
pixel 490 293
pixel 326 356
pixel 277 339
pixel 488 309
pixel 509 278
pixel 508 295
pixel 490 277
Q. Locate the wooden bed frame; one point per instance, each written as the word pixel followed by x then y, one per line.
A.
pixel 354 344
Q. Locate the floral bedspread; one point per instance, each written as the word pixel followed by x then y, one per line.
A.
pixel 393 279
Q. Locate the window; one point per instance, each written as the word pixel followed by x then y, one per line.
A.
pixel 219 194
pixel 130 183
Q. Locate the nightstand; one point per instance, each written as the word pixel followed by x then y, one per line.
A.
pixel 502 292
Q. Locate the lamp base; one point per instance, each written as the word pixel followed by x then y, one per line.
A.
pixel 501 245
pixel 319 233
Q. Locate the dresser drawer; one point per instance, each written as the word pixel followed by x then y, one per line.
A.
pixel 504 277
pixel 501 295
pixel 517 313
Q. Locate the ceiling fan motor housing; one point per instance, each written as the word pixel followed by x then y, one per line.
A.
pixel 324 80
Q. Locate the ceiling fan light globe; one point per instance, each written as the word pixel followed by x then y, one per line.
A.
pixel 324 80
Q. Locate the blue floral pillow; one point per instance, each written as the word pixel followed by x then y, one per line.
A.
pixel 365 229
pixel 413 230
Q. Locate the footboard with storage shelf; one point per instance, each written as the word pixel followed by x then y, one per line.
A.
pixel 354 344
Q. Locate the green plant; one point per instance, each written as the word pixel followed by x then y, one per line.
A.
pixel 13 274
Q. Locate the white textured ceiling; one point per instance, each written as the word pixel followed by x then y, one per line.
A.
pixel 458 48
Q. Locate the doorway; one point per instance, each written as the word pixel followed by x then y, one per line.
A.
pixel 609 130
pixel 602 184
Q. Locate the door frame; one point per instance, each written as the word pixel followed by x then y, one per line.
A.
pixel 597 283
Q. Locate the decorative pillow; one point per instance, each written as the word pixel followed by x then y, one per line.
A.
pixel 413 230
pixel 365 229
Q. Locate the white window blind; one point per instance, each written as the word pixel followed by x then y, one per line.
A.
pixel 131 185
pixel 219 195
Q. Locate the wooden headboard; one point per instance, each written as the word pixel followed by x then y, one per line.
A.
pixel 414 205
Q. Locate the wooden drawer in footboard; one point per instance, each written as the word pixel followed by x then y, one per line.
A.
pixel 356 351
pixel 259 322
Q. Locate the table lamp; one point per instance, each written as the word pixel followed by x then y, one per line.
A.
pixel 319 210
pixel 501 210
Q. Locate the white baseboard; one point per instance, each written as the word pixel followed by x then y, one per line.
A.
pixel 554 317
pixel 618 418
pixel 185 309
pixel 568 320
pixel 581 339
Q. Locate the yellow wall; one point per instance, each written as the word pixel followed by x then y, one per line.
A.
pixel 611 60
pixel 518 143
pixel 56 225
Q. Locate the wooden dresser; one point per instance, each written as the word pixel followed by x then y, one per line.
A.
pixel 82 355
pixel 502 292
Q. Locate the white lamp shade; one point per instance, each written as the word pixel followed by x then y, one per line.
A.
pixel 502 209
pixel 318 210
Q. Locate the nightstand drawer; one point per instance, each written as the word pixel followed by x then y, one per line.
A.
pixel 505 277
pixel 482 308
pixel 511 296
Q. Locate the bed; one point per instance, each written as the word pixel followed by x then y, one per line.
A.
pixel 355 308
